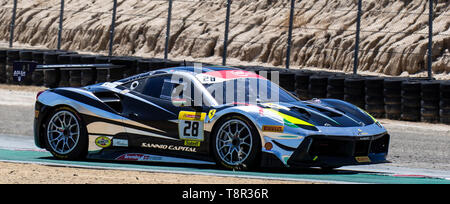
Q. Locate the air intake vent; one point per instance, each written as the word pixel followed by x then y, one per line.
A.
pixel 111 99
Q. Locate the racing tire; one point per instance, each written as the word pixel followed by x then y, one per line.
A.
pixel 429 112
pixel 66 135
pixel 445 120
pixel 38 75
pixel 410 117
pixel 393 108
pixel 336 81
pixel 3 66
pixel 335 90
pixel 287 81
pixel 302 80
pixel 393 83
pixel 392 92
pixel 444 103
pixel 393 100
pixel 236 144
pixel 429 104
pixel 376 83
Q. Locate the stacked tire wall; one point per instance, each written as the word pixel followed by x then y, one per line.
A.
pixel 3 55
pixel 444 112
pixel 374 89
pixel 336 87
pixel 390 97
pixel 429 104
pixel 354 91
pixel 393 98
pixel 411 99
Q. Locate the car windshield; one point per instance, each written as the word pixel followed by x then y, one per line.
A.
pixel 248 91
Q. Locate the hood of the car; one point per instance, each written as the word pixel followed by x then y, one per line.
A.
pixel 327 113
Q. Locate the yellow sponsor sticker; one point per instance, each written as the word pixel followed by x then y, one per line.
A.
pixel 272 128
pixel 212 113
pixel 192 143
pixel 362 159
pixel 185 115
pixel 103 142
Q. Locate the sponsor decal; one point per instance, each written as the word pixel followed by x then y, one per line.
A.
pixel 361 132
pixel 191 125
pixel 192 143
pixel 362 159
pixel 212 113
pixel 184 115
pixel 169 147
pixel 272 128
pixel 120 143
pixel 23 69
pixel 138 157
pixel 103 142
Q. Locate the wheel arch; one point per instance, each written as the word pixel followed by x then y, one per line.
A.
pixel 47 114
pixel 223 117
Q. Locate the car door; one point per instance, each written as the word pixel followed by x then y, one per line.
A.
pixel 155 121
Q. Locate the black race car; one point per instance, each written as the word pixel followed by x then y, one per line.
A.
pixel 213 115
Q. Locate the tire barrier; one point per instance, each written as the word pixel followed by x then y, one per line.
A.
pixel 51 77
pixel 129 70
pixel 393 98
pixel 170 64
pixel 354 89
pixel 102 74
pixel 374 96
pixel 287 80
pixel 38 75
pixel 75 75
pixel 3 55
pixel 144 65
pixel 335 88
pixel 411 99
pixel 302 85
pixel 157 64
pixel 11 57
pixel 88 76
pixel 444 104
pixel 318 86
pixel 430 95
pixel 26 55
pixel 64 75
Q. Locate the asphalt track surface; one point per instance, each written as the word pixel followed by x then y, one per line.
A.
pixel 19 149
pixel 420 153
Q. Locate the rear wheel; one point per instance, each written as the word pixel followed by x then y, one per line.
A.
pixel 65 135
pixel 236 144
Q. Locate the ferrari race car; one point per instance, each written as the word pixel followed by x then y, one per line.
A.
pixel 215 115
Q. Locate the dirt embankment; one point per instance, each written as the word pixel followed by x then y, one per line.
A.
pixel 393 38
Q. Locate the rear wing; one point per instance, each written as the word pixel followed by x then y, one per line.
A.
pixel 24 69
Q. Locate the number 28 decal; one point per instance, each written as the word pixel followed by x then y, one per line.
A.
pixel 191 125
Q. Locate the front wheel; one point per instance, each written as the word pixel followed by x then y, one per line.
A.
pixel 236 144
pixel 65 135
